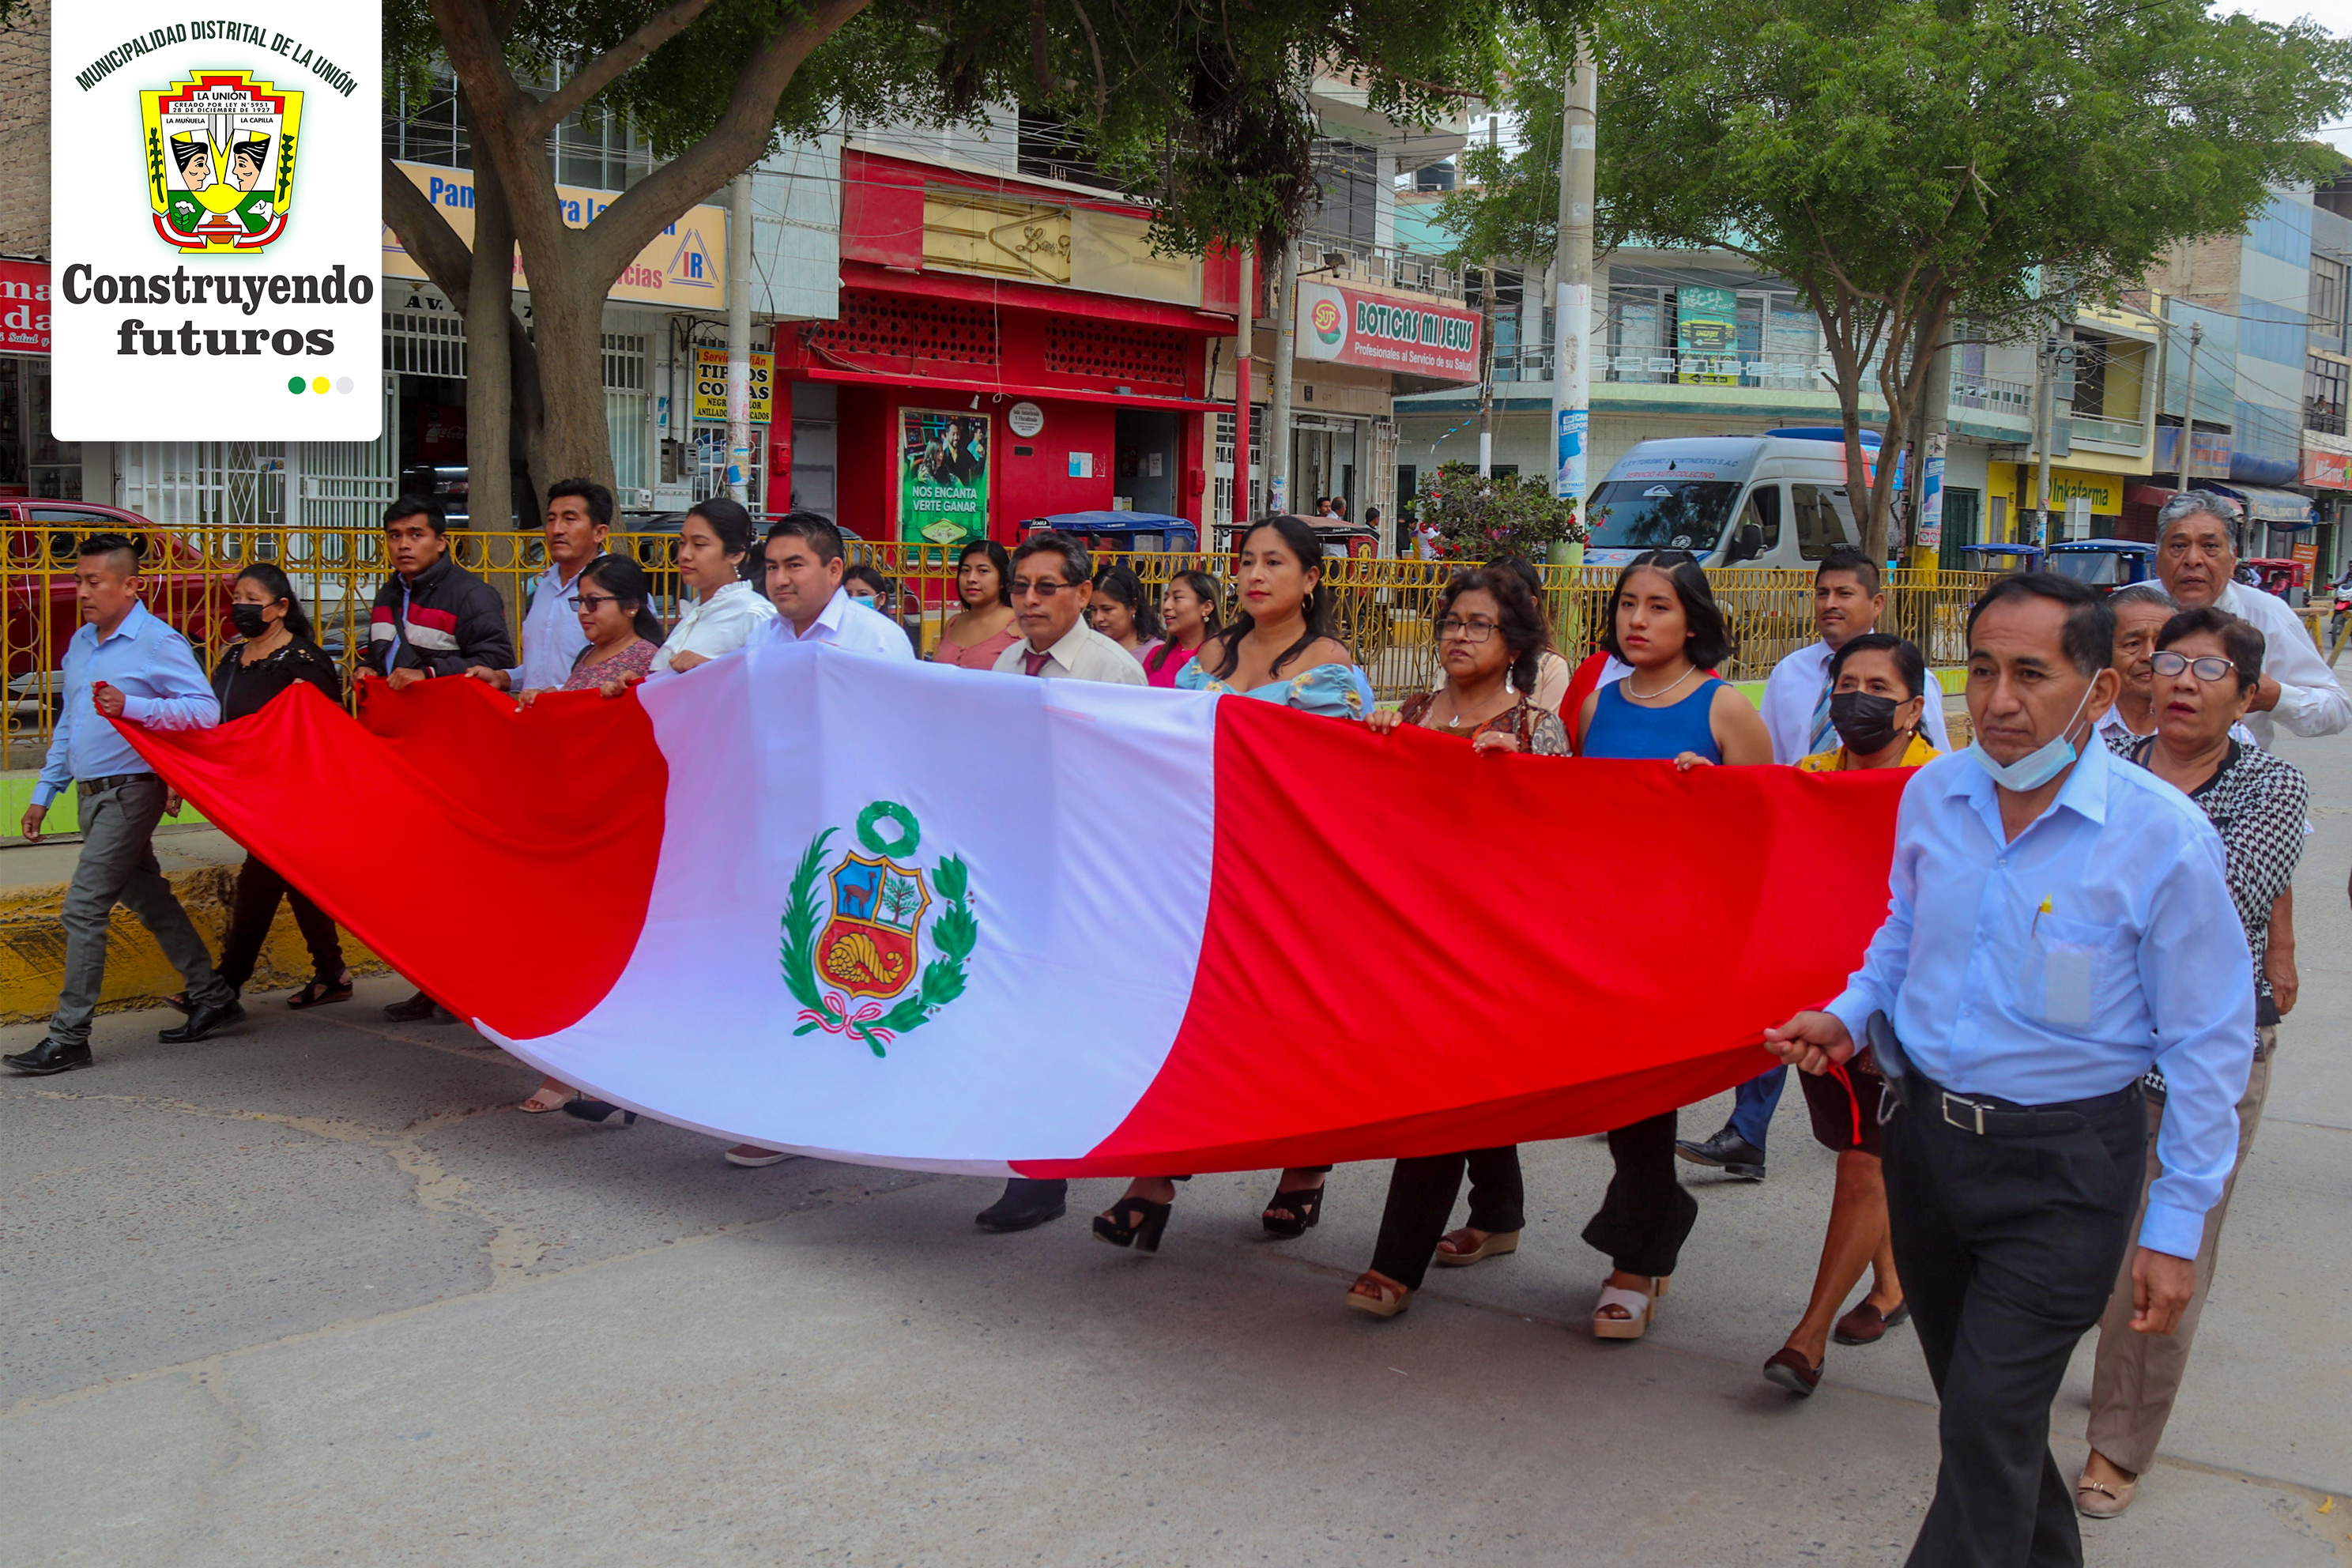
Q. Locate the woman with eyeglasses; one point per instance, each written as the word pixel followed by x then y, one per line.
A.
pixel 1188 616
pixel 2206 669
pixel 1664 624
pixel 1490 638
pixel 1280 648
pixel 712 546
pixel 614 600
pixel 976 634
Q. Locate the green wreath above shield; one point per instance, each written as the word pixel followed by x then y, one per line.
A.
pixel 855 932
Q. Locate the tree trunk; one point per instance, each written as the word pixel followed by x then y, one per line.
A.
pixel 489 381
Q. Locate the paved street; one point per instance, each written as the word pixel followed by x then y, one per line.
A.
pixel 310 1293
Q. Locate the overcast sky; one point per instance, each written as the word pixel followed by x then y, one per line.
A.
pixel 2336 15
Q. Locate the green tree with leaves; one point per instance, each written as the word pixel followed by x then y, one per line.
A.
pixel 1199 107
pixel 1906 164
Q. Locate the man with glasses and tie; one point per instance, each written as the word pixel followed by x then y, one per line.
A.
pixel 1053 583
pixel 1849 595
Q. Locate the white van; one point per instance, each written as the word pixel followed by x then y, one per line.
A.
pixel 1775 500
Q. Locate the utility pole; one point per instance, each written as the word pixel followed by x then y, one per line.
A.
pixel 1572 359
pixel 2187 456
pixel 1487 337
pixel 1245 314
pixel 739 340
pixel 1935 436
pixel 1278 404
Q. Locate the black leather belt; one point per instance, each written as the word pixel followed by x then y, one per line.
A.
pixel 112 781
pixel 1989 1118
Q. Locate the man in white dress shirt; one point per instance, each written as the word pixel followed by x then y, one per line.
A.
pixel 806 559
pixel 1849 595
pixel 1053 581
pixel 2197 557
pixel 2058 923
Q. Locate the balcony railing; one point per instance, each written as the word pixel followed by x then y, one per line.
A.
pixel 2127 434
pixel 1991 396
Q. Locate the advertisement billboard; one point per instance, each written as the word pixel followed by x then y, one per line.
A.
pixel 1706 336
pixel 710 386
pixel 217 207
pixel 942 462
pixel 1410 337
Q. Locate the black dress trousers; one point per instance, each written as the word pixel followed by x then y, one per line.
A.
pixel 2008 1247
pixel 1421 1200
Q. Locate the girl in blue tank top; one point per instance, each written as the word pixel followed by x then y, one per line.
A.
pixel 1664 622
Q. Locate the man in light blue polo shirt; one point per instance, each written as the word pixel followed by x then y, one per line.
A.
pixel 2058 924
pixel 122 663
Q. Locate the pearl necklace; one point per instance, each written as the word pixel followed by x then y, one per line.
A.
pixel 1654 696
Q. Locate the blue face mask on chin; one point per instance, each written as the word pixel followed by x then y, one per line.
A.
pixel 2038 767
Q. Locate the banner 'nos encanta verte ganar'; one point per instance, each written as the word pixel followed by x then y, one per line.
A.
pixel 216 211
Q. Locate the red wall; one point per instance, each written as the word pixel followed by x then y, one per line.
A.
pixel 1019 488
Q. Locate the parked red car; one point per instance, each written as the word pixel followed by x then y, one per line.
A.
pixel 44 540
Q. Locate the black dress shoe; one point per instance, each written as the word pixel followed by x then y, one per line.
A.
pixel 415 1010
pixel 1025 1206
pixel 202 1021
pixel 49 1057
pixel 1728 1151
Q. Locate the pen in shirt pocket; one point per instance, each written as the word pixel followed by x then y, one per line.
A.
pixel 2035 929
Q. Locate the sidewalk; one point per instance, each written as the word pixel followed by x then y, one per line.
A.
pixel 201 863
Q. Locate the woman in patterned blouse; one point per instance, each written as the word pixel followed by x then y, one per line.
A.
pixel 2207 666
pixel 1490 637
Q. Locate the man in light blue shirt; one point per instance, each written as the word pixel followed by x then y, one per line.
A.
pixel 579 517
pixel 122 663
pixel 2058 923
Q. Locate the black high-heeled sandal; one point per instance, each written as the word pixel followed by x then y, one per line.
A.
pixel 603 1112
pixel 1134 1221
pixel 1303 1205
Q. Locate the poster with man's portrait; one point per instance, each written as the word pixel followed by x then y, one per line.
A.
pixel 943 476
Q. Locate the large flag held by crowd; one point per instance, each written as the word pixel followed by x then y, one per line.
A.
pixel 917 916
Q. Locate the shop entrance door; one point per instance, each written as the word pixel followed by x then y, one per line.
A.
pixel 1145 475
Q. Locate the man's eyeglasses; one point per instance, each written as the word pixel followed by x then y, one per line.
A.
pixel 1468 631
pixel 1046 589
pixel 590 601
pixel 2212 667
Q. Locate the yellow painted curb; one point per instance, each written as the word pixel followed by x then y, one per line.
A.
pixel 33 948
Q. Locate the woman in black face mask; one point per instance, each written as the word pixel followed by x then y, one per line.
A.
pixel 277 652
pixel 1878 689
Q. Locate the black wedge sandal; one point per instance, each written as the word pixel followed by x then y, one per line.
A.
pixel 1134 1221
pixel 1300 1207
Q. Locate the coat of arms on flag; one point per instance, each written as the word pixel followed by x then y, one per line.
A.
pixel 870 941
pixel 220 159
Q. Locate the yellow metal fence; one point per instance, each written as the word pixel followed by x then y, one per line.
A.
pixel 1384 606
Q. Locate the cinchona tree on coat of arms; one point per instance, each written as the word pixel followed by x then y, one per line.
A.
pixel 220 159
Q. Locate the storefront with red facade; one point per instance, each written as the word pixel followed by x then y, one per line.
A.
pixel 986 367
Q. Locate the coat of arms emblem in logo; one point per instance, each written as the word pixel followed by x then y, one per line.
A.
pixel 220 159
pixel 852 954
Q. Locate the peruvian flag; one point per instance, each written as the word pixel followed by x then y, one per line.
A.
pixel 919 916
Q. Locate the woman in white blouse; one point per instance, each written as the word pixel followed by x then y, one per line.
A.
pixel 712 546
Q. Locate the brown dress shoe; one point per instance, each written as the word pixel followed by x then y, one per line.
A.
pixel 1793 1372
pixel 1866 1326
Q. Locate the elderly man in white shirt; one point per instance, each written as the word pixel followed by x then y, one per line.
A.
pixel 2197 558
pixel 1053 580
pixel 805 560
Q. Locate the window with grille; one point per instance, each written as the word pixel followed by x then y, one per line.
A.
pixel 1349 208
pixel 2323 383
pixel 624 362
pixel 892 332
pixel 417 343
pixel 1118 353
